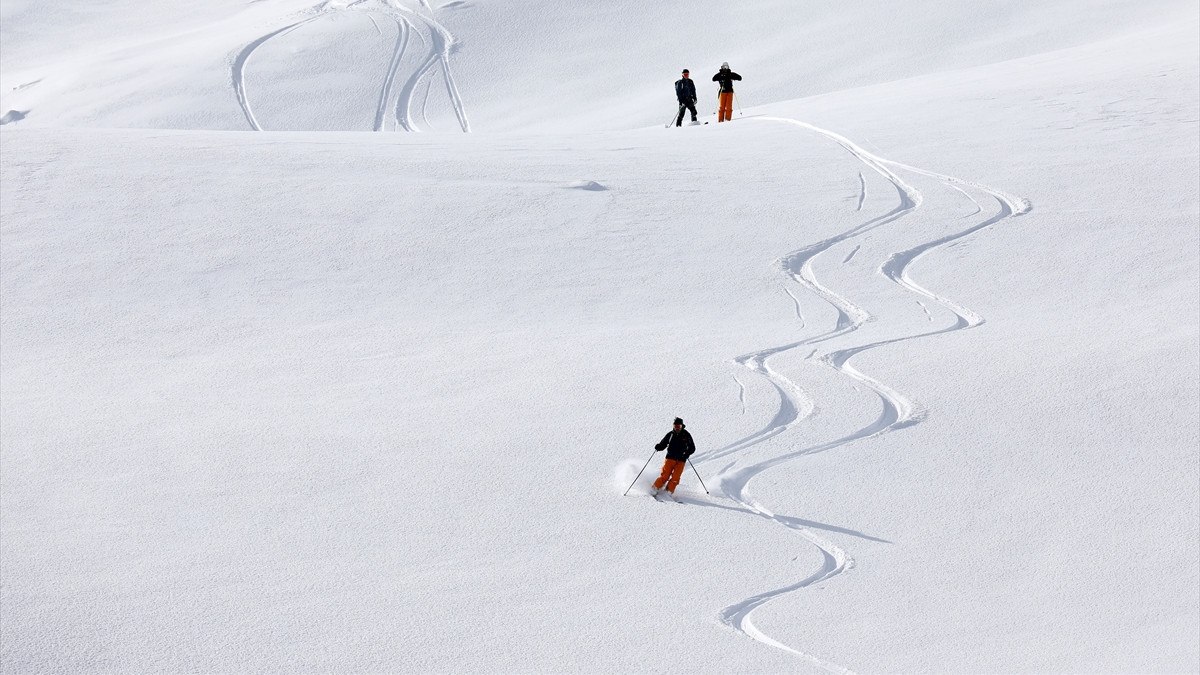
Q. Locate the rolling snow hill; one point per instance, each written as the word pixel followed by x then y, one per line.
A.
pixel 331 337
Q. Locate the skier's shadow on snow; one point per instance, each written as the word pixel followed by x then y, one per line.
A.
pixel 790 521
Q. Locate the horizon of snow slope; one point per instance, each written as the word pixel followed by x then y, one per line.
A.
pixel 324 400
pixel 488 65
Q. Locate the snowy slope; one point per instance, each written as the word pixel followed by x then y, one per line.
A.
pixel 320 400
pixel 491 65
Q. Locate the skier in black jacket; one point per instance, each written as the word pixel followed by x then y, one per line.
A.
pixel 685 91
pixel 725 77
pixel 679 446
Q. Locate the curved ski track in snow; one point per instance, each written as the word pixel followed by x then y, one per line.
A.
pixel 403 107
pixel 898 410
pixel 403 34
pixel 798 265
pixel 440 45
pixel 239 68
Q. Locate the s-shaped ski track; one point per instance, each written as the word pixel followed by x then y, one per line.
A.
pixel 898 410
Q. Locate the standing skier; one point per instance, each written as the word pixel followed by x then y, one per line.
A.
pixel 679 446
pixel 685 91
pixel 725 77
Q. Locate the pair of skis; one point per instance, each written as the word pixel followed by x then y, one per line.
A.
pixel 658 491
pixel 665 496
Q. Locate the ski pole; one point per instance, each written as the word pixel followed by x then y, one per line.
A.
pixel 738 102
pixel 698 478
pixel 640 475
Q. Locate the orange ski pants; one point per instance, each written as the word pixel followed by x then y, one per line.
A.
pixel 725 106
pixel 671 473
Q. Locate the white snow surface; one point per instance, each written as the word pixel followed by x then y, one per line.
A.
pixel 332 335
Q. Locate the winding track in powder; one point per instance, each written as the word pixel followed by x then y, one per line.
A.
pixel 440 45
pixel 798 266
pixel 898 410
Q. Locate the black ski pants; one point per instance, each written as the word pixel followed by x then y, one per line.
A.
pixel 688 106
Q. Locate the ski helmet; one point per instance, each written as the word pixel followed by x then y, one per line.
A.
pixel 725 65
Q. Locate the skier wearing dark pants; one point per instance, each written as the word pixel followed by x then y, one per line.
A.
pixel 725 78
pixel 685 92
pixel 679 446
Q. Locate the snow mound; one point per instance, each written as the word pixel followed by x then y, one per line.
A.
pixel 589 185
pixel 13 116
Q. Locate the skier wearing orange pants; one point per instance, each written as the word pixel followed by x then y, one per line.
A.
pixel 724 106
pixel 679 446
pixel 725 78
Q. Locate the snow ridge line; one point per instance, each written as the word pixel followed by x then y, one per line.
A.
pixel 899 411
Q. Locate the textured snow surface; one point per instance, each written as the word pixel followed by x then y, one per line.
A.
pixel 285 387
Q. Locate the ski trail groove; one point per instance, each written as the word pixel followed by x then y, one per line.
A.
pixel 403 33
pixel 798 265
pixel 898 411
pixel 440 45
pixel 239 68
pixel 834 561
pixel 425 104
pixel 444 42
pixel 404 101
pixel 378 30
pixel 796 301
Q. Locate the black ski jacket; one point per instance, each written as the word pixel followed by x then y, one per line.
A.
pixel 685 90
pixel 726 78
pixel 679 445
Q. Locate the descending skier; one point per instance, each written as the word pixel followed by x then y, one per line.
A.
pixel 679 446
pixel 685 91
pixel 725 78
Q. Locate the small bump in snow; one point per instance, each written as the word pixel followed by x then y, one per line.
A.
pixel 13 116
pixel 586 185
